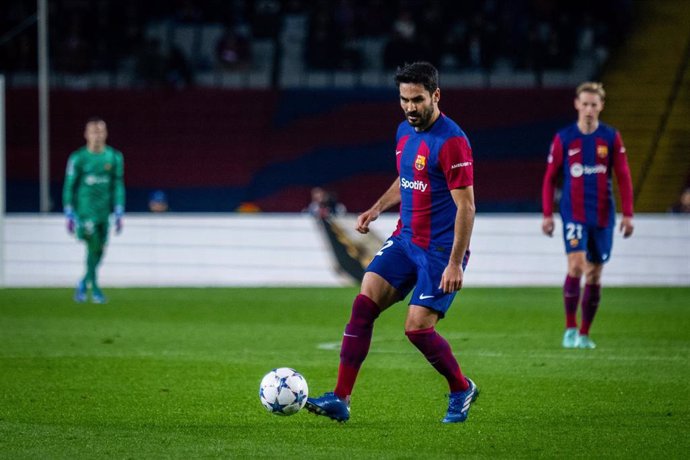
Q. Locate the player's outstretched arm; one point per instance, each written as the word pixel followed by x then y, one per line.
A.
pixel 390 198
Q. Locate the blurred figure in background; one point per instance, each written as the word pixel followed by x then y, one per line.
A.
pixel 94 189
pixel 232 51
pixel 683 205
pixel 158 201
pixel 585 154
pixel 324 204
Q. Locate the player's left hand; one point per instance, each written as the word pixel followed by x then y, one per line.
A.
pixel 627 227
pixel 119 214
pixel 71 220
pixel 452 277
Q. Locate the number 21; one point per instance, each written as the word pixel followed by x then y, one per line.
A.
pixel 573 231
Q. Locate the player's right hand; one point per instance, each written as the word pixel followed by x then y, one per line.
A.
pixel 547 226
pixel 364 219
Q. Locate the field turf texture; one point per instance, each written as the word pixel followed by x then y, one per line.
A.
pixel 174 373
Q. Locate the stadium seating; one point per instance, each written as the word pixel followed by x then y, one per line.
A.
pixel 648 91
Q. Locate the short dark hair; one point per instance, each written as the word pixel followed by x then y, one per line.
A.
pixel 418 72
pixel 95 119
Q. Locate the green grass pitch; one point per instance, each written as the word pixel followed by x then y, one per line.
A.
pixel 174 373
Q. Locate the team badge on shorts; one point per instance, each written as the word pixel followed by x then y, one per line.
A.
pixel 420 162
pixel 574 243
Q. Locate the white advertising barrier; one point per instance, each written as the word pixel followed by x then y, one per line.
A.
pixel 290 250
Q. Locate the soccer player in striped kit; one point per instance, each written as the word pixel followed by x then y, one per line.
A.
pixel 585 154
pixel 426 254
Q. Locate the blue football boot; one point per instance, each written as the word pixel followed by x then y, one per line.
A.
pixel 459 403
pixel 80 294
pixel 330 406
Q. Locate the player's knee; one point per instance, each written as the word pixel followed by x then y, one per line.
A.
pixel 419 336
pixel 364 312
pixel 575 270
pixel 593 278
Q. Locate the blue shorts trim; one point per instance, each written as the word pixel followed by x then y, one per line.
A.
pixel 596 241
pixel 406 266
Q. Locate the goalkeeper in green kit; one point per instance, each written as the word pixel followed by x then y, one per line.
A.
pixel 94 189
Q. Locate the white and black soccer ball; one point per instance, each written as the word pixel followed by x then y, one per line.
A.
pixel 283 391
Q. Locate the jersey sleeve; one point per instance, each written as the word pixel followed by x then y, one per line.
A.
pixel 119 182
pixel 553 167
pixel 622 170
pixel 455 159
pixel 71 177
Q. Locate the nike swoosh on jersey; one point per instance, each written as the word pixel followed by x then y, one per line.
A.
pixel 572 152
pixel 398 152
pixel 422 296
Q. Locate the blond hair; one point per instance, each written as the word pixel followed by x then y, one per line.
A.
pixel 593 87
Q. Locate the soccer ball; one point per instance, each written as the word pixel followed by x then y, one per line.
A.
pixel 283 391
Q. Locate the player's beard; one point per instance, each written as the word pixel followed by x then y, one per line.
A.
pixel 423 118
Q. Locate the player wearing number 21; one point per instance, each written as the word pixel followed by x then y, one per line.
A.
pixel 584 155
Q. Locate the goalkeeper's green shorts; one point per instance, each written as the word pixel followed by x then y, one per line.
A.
pixel 89 228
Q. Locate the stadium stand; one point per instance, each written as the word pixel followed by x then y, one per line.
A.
pixel 520 59
pixel 298 43
pixel 648 89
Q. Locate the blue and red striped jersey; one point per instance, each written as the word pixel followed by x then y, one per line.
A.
pixel 430 164
pixel 586 163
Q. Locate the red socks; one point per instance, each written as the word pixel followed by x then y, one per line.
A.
pixel 437 351
pixel 590 304
pixel 357 339
pixel 571 297
pixel 355 345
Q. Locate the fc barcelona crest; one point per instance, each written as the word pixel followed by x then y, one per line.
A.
pixel 420 162
pixel 107 166
pixel 602 151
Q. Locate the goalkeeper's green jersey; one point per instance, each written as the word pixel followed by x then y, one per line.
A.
pixel 94 183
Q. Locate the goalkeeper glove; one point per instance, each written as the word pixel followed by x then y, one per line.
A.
pixel 119 213
pixel 71 219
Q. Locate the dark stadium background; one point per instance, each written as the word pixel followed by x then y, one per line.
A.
pixel 214 102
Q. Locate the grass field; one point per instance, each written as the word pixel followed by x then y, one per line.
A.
pixel 174 373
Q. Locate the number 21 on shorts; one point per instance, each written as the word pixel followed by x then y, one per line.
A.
pixel 573 233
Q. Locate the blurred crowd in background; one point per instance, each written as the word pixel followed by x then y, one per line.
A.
pixel 162 42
